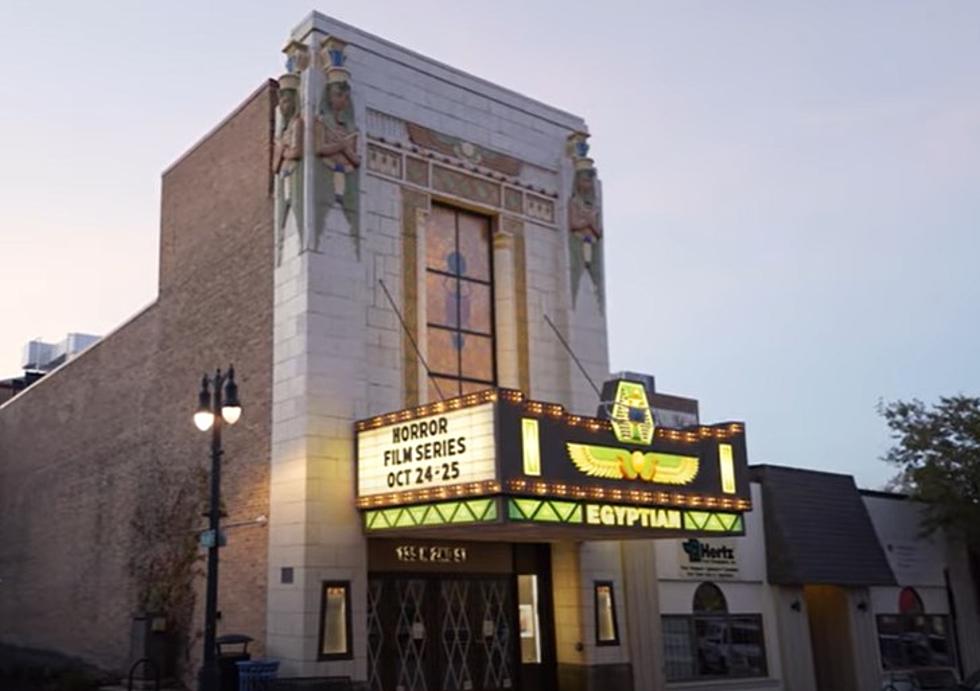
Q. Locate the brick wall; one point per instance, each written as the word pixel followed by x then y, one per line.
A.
pixel 74 448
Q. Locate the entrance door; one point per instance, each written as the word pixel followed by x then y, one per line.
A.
pixel 441 633
pixel 830 638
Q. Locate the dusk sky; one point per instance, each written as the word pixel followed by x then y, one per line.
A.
pixel 791 189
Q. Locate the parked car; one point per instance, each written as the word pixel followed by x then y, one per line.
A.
pixel 930 679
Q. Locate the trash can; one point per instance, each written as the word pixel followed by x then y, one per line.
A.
pixel 253 675
pixel 228 656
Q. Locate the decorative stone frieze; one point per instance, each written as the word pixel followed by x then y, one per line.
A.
pixel 465 186
pixel 384 161
pixel 417 171
pixel 513 200
pixel 464 150
pixel 540 208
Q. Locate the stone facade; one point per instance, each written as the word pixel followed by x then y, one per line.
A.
pixel 428 133
pixel 277 258
pixel 75 448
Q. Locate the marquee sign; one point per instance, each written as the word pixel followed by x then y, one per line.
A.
pixel 496 457
pixel 437 451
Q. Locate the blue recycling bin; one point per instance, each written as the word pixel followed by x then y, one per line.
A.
pixel 253 674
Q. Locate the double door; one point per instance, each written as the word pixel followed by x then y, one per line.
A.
pixel 445 632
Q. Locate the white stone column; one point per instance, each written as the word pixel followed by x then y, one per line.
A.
pixel 505 304
pixel 320 389
pixel 642 600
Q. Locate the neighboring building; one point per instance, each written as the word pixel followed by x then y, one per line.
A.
pixel 859 592
pixel 13 386
pixel 41 356
pixel 717 610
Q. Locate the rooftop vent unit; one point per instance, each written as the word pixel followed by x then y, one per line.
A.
pixel 40 356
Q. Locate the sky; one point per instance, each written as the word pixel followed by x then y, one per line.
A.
pixel 791 189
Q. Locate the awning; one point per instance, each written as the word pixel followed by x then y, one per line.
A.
pixel 818 531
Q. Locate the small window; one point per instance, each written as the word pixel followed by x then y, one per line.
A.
pixel 606 628
pixel 335 621
pixel 712 643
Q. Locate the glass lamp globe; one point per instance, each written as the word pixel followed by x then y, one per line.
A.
pixel 203 419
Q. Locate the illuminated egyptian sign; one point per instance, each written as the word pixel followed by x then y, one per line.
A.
pixel 632 516
pixel 449 462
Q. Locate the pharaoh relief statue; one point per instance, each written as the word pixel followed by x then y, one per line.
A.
pixel 584 217
pixel 336 142
pixel 287 156
pixel 288 146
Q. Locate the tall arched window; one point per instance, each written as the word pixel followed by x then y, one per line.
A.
pixel 459 302
pixel 912 638
pixel 712 642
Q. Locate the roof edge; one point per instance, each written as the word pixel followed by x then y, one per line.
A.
pixel 68 363
pixel 267 84
pixel 365 40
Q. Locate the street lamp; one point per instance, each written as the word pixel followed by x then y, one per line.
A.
pixel 214 411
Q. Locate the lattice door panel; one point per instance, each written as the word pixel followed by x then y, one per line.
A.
pixel 376 634
pixel 456 635
pixel 496 607
pixel 411 637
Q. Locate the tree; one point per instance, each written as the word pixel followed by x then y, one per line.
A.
pixel 937 451
pixel 165 554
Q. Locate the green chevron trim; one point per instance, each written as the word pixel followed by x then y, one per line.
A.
pixel 443 513
pixel 544 511
pixel 713 521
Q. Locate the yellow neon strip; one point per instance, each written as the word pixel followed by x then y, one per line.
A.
pixel 727 463
pixel 532 448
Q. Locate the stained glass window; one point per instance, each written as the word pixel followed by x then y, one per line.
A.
pixel 459 302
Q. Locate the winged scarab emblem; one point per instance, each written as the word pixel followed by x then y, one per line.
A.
pixel 613 463
pixel 632 423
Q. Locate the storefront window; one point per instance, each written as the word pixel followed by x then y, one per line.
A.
pixel 606 629
pixel 335 624
pixel 459 302
pixel 912 638
pixel 711 643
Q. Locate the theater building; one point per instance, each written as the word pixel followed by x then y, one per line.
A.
pixel 405 265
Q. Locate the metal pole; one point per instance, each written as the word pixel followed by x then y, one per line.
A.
pixel 209 676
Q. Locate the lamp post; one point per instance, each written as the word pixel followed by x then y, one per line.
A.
pixel 213 411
